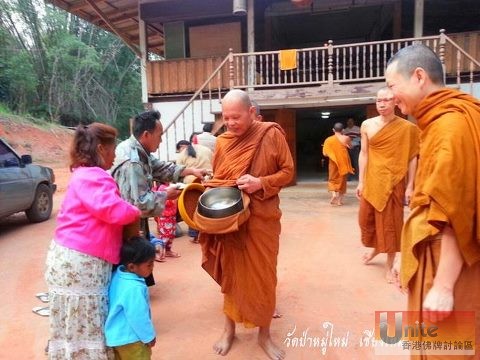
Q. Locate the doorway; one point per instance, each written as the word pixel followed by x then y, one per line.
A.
pixel 313 126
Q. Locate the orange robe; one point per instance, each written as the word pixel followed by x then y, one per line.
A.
pixel 244 263
pixel 447 191
pixel 380 214
pixel 339 164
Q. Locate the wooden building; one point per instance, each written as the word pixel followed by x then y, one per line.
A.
pixel 193 51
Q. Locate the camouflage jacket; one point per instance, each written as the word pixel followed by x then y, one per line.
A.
pixel 134 171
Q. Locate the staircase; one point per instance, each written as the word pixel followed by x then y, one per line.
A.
pixel 328 73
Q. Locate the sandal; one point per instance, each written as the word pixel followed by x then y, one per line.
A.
pixel 172 254
pixel 42 311
pixel 43 297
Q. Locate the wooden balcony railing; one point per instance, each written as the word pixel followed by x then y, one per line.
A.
pixel 360 62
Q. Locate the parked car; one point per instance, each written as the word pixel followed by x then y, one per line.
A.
pixel 24 186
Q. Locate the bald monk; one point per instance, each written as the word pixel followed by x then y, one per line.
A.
pixel 339 165
pixel 254 156
pixel 440 264
pixel 387 163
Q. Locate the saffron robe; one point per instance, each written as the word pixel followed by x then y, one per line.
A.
pixel 446 192
pixel 339 164
pixel 244 263
pixel 380 215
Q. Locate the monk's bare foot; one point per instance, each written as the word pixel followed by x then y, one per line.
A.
pixel 276 314
pixel 334 199
pixel 390 277
pixel 272 350
pixel 223 345
pixel 368 256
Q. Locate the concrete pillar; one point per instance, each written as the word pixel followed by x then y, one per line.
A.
pixel 144 58
pixel 251 41
pixel 418 18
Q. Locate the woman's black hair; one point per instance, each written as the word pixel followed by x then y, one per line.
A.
pixel 136 250
pixel 190 149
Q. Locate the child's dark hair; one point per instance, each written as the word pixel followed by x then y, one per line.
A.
pixel 136 250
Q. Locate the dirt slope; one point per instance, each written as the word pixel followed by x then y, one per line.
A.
pixel 48 144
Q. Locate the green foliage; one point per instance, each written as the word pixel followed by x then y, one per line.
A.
pixel 4 109
pixel 56 66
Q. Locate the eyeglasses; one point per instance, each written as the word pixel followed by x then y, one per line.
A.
pixel 384 100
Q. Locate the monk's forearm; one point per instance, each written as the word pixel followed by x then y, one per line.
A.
pixel 451 261
pixel 362 162
pixel 412 169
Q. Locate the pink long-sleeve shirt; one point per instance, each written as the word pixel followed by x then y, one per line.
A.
pixel 92 215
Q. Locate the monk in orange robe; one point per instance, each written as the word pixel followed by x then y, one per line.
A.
pixel 254 156
pixel 387 164
pixel 339 165
pixel 440 264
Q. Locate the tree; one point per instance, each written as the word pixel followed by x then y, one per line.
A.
pixel 58 66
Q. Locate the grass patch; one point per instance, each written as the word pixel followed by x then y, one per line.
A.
pixel 4 110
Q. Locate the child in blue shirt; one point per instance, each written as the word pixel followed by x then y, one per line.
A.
pixel 129 328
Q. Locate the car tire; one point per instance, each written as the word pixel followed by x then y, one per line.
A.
pixel 41 208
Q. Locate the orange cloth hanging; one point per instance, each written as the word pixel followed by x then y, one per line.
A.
pixel 288 59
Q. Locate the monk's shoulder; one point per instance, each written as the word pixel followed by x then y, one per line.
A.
pixel 453 128
pixel 404 122
pixel 369 122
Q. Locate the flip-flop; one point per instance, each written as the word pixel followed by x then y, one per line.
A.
pixel 43 297
pixel 42 311
pixel 173 255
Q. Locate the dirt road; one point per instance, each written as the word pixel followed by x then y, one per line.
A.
pixel 322 285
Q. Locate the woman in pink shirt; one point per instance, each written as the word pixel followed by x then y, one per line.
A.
pixel 87 242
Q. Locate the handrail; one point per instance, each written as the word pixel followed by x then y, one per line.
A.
pixel 194 96
pixel 464 53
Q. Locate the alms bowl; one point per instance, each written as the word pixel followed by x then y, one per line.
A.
pixel 220 202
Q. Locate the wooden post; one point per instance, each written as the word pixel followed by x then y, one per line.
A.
pixel 330 62
pixel 441 50
pixel 231 69
pixel 418 19
pixel 251 44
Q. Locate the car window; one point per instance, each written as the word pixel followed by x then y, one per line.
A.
pixel 7 157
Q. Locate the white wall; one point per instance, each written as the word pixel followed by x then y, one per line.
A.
pixel 185 125
pixel 468 89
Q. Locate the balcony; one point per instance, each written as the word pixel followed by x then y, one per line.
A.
pixel 329 64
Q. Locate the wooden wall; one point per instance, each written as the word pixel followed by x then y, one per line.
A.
pixel 468 41
pixel 184 75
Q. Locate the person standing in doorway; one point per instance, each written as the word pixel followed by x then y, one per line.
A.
pixel 335 148
pixel 353 132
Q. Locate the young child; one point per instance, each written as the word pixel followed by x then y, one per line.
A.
pixel 167 223
pixel 129 328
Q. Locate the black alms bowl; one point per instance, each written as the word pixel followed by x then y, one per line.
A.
pixel 220 202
